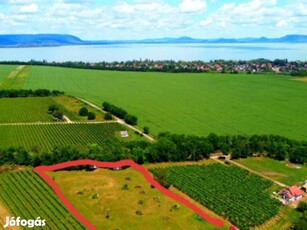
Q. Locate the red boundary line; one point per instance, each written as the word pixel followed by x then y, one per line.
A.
pixel 41 170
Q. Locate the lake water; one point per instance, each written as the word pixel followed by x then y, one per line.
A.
pixel 187 52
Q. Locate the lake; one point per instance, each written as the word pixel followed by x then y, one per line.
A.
pixel 187 52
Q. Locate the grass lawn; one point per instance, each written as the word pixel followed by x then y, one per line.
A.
pixel 190 103
pixel 277 170
pixel 96 194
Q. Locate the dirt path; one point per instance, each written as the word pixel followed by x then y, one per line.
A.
pixel 252 171
pixel 67 119
pixel 117 119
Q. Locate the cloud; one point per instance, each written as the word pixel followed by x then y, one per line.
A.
pixel 192 6
pixel 29 9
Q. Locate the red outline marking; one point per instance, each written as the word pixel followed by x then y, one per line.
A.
pixel 41 170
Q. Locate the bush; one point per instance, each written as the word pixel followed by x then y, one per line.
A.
pixel 83 112
pixel 91 116
pixel 108 116
pixel 146 130
pixel 302 207
pixel 52 108
pixel 125 187
pixel 131 120
pixel 59 114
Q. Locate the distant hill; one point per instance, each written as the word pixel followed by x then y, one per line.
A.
pixel 30 40
pixel 36 40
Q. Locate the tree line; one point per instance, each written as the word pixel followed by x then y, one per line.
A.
pixel 120 113
pixel 167 148
pixel 29 93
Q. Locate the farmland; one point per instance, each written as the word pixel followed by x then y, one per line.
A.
pixel 102 197
pixel 229 191
pixel 48 136
pixel 276 170
pixel 28 110
pixel 190 103
pixel 27 196
pixel 5 71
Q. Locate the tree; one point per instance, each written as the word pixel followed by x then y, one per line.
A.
pixel 91 116
pixel 59 114
pixel 131 120
pixel 108 116
pixel 83 112
pixel 52 108
pixel 146 130
pixel 161 176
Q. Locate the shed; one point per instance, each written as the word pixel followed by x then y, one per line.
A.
pixel 124 134
pixel 304 187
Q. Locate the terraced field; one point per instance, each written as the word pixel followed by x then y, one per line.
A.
pixel 48 136
pixel 190 103
pixel 27 196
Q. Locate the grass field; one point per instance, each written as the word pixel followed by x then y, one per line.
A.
pixel 48 136
pixel 27 196
pixel 5 71
pixel 277 170
pixel 96 194
pixel 16 79
pixel 190 103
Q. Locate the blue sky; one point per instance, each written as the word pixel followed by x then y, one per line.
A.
pixel 138 19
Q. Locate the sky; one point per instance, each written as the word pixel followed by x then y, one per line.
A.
pixel 140 19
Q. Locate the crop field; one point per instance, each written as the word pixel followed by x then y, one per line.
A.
pixel 27 196
pixel 31 109
pixel 277 170
pixel 229 191
pixel 110 199
pixel 190 103
pixel 48 136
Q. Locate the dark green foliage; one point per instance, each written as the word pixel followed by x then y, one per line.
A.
pixel 108 116
pixel 161 176
pixel 91 116
pixel 29 93
pixel 52 108
pixel 125 187
pixel 301 224
pixel 131 120
pixel 146 130
pixel 116 111
pixel 302 206
pixel 59 114
pixel 83 112
pixel 299 155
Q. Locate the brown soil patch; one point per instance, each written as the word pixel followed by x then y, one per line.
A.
pixel 304 79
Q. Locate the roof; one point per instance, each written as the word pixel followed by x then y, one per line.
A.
pixel 294 191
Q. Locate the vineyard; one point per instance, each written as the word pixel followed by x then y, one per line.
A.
pixel 229 191
pixel 48 136
pixel 27 196
pixel 32 109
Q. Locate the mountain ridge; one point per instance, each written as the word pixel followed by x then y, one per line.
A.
pixel 45 40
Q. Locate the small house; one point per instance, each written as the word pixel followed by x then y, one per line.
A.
pixel 124 134
pixel 292 193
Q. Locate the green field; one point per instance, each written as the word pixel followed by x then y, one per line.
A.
pixel 96 194
pixel 190 103
pixel 277 170
pixel 229 191
pixel 5 71
pixel 27 196
pixel 48 136
pixel 31 109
